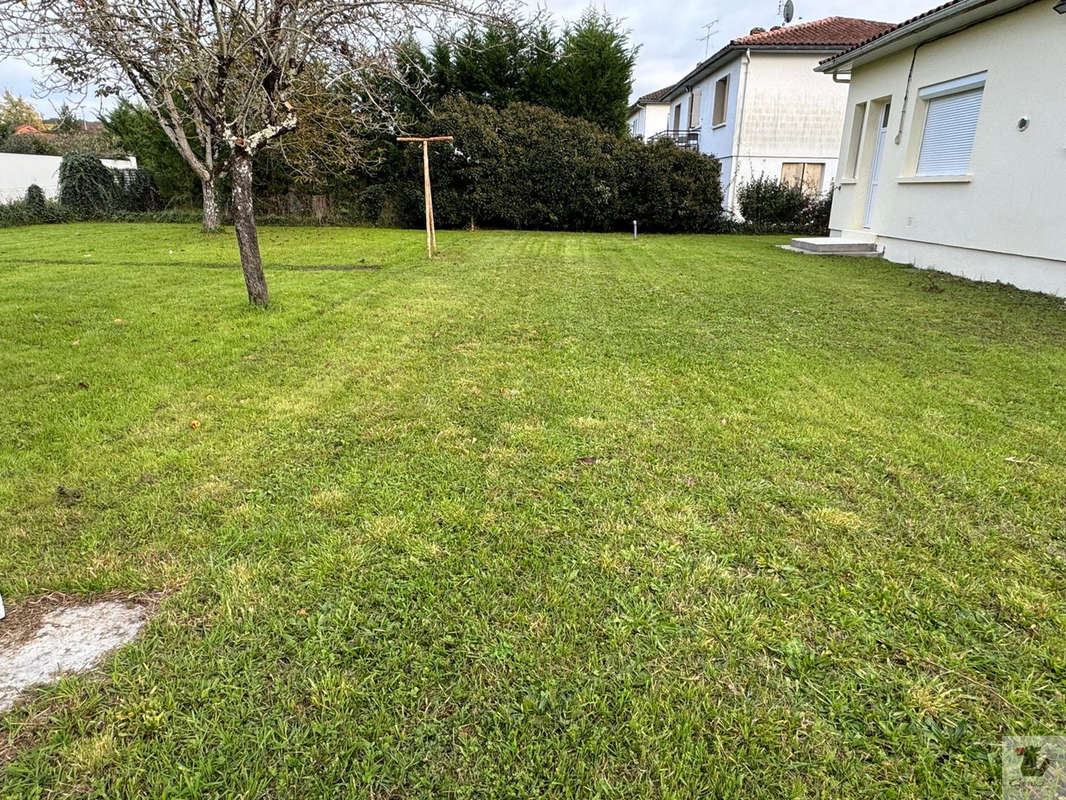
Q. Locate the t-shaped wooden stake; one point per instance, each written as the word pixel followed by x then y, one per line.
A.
pixel 431 225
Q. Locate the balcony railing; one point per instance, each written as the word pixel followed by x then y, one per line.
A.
pixel 686 138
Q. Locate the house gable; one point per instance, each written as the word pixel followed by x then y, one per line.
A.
pixel 965 165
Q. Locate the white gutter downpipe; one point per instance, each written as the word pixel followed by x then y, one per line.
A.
pixel 741 103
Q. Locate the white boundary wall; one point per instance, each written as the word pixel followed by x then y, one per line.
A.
pixel 18 171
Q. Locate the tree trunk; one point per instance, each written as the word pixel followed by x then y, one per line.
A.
pixel 211 222
pixel 244 224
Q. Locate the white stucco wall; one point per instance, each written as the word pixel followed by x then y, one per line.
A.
pixel 1006 223
pixel 635 122
pixel 655 118
pixel 648 120
pixel 778 111
pixel 790 114
pixel 715 140
pixel 18 172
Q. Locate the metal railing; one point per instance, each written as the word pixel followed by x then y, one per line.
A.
pixel 686 138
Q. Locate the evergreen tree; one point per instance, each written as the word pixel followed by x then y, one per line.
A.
pixel 595 71
pixel 139 133
pixel 587 73
pixel 539 81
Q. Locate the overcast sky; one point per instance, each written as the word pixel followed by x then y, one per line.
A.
pixel 668 32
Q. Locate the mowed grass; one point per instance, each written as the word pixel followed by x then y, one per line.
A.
pixel 551 516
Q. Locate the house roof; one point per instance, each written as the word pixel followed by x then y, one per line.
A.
pixel 26 129
pixel 657 96
pixel 942 20
pixel 829 34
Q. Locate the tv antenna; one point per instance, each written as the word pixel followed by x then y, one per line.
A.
pixel 711 28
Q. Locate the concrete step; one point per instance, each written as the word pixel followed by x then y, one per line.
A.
pixel 834 245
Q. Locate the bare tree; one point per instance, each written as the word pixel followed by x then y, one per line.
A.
pixel 226 78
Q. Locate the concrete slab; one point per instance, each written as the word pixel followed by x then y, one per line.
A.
pixel 833 245
pixel 860 254
pixel 69 639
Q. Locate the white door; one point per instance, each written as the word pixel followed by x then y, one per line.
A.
pixel 875 167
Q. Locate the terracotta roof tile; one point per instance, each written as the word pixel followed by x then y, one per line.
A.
pixel 830 32
pixel 656 96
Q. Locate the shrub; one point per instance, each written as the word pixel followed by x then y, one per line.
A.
pixel 86 186
pixel 30 145
pixel 772 206
pixel 14 213
pixel 182 215
pixel 33 210
pixel 671 190
pixel 816 213
pixel 135 190
pixel 770 202
pixel 527 167
pixel 35 202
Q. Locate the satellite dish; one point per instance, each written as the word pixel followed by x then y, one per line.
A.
pixel 789 11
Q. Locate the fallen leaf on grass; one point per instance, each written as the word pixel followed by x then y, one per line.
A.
pixel 194 424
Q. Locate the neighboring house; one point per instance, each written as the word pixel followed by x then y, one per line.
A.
pixel 759 107
pixel 648 116
pixel 955 151
pixel 30 130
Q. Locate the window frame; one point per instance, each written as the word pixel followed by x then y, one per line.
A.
pixel 720 109
pixel 855 142
pixel 822 168
pixel 927 96
pixel 695 100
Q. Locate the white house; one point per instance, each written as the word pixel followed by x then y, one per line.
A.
pixel 955 152
pixel 758 105
pixel 648 116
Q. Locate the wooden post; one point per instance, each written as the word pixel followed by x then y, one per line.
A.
pixel 431 224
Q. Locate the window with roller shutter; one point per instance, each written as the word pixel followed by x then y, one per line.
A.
pixel 952 111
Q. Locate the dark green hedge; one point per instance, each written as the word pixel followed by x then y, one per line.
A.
pixel 34 209
pixel 527 167
pixel 86 186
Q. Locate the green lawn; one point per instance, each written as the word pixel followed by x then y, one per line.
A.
pixel 553 515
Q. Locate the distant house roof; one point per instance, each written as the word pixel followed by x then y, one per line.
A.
pixel 27 130
pixel 826 35
pixel 658 96
pixel 828 32
pixel 943 19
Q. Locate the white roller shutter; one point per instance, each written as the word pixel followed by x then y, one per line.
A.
pixel 950 126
